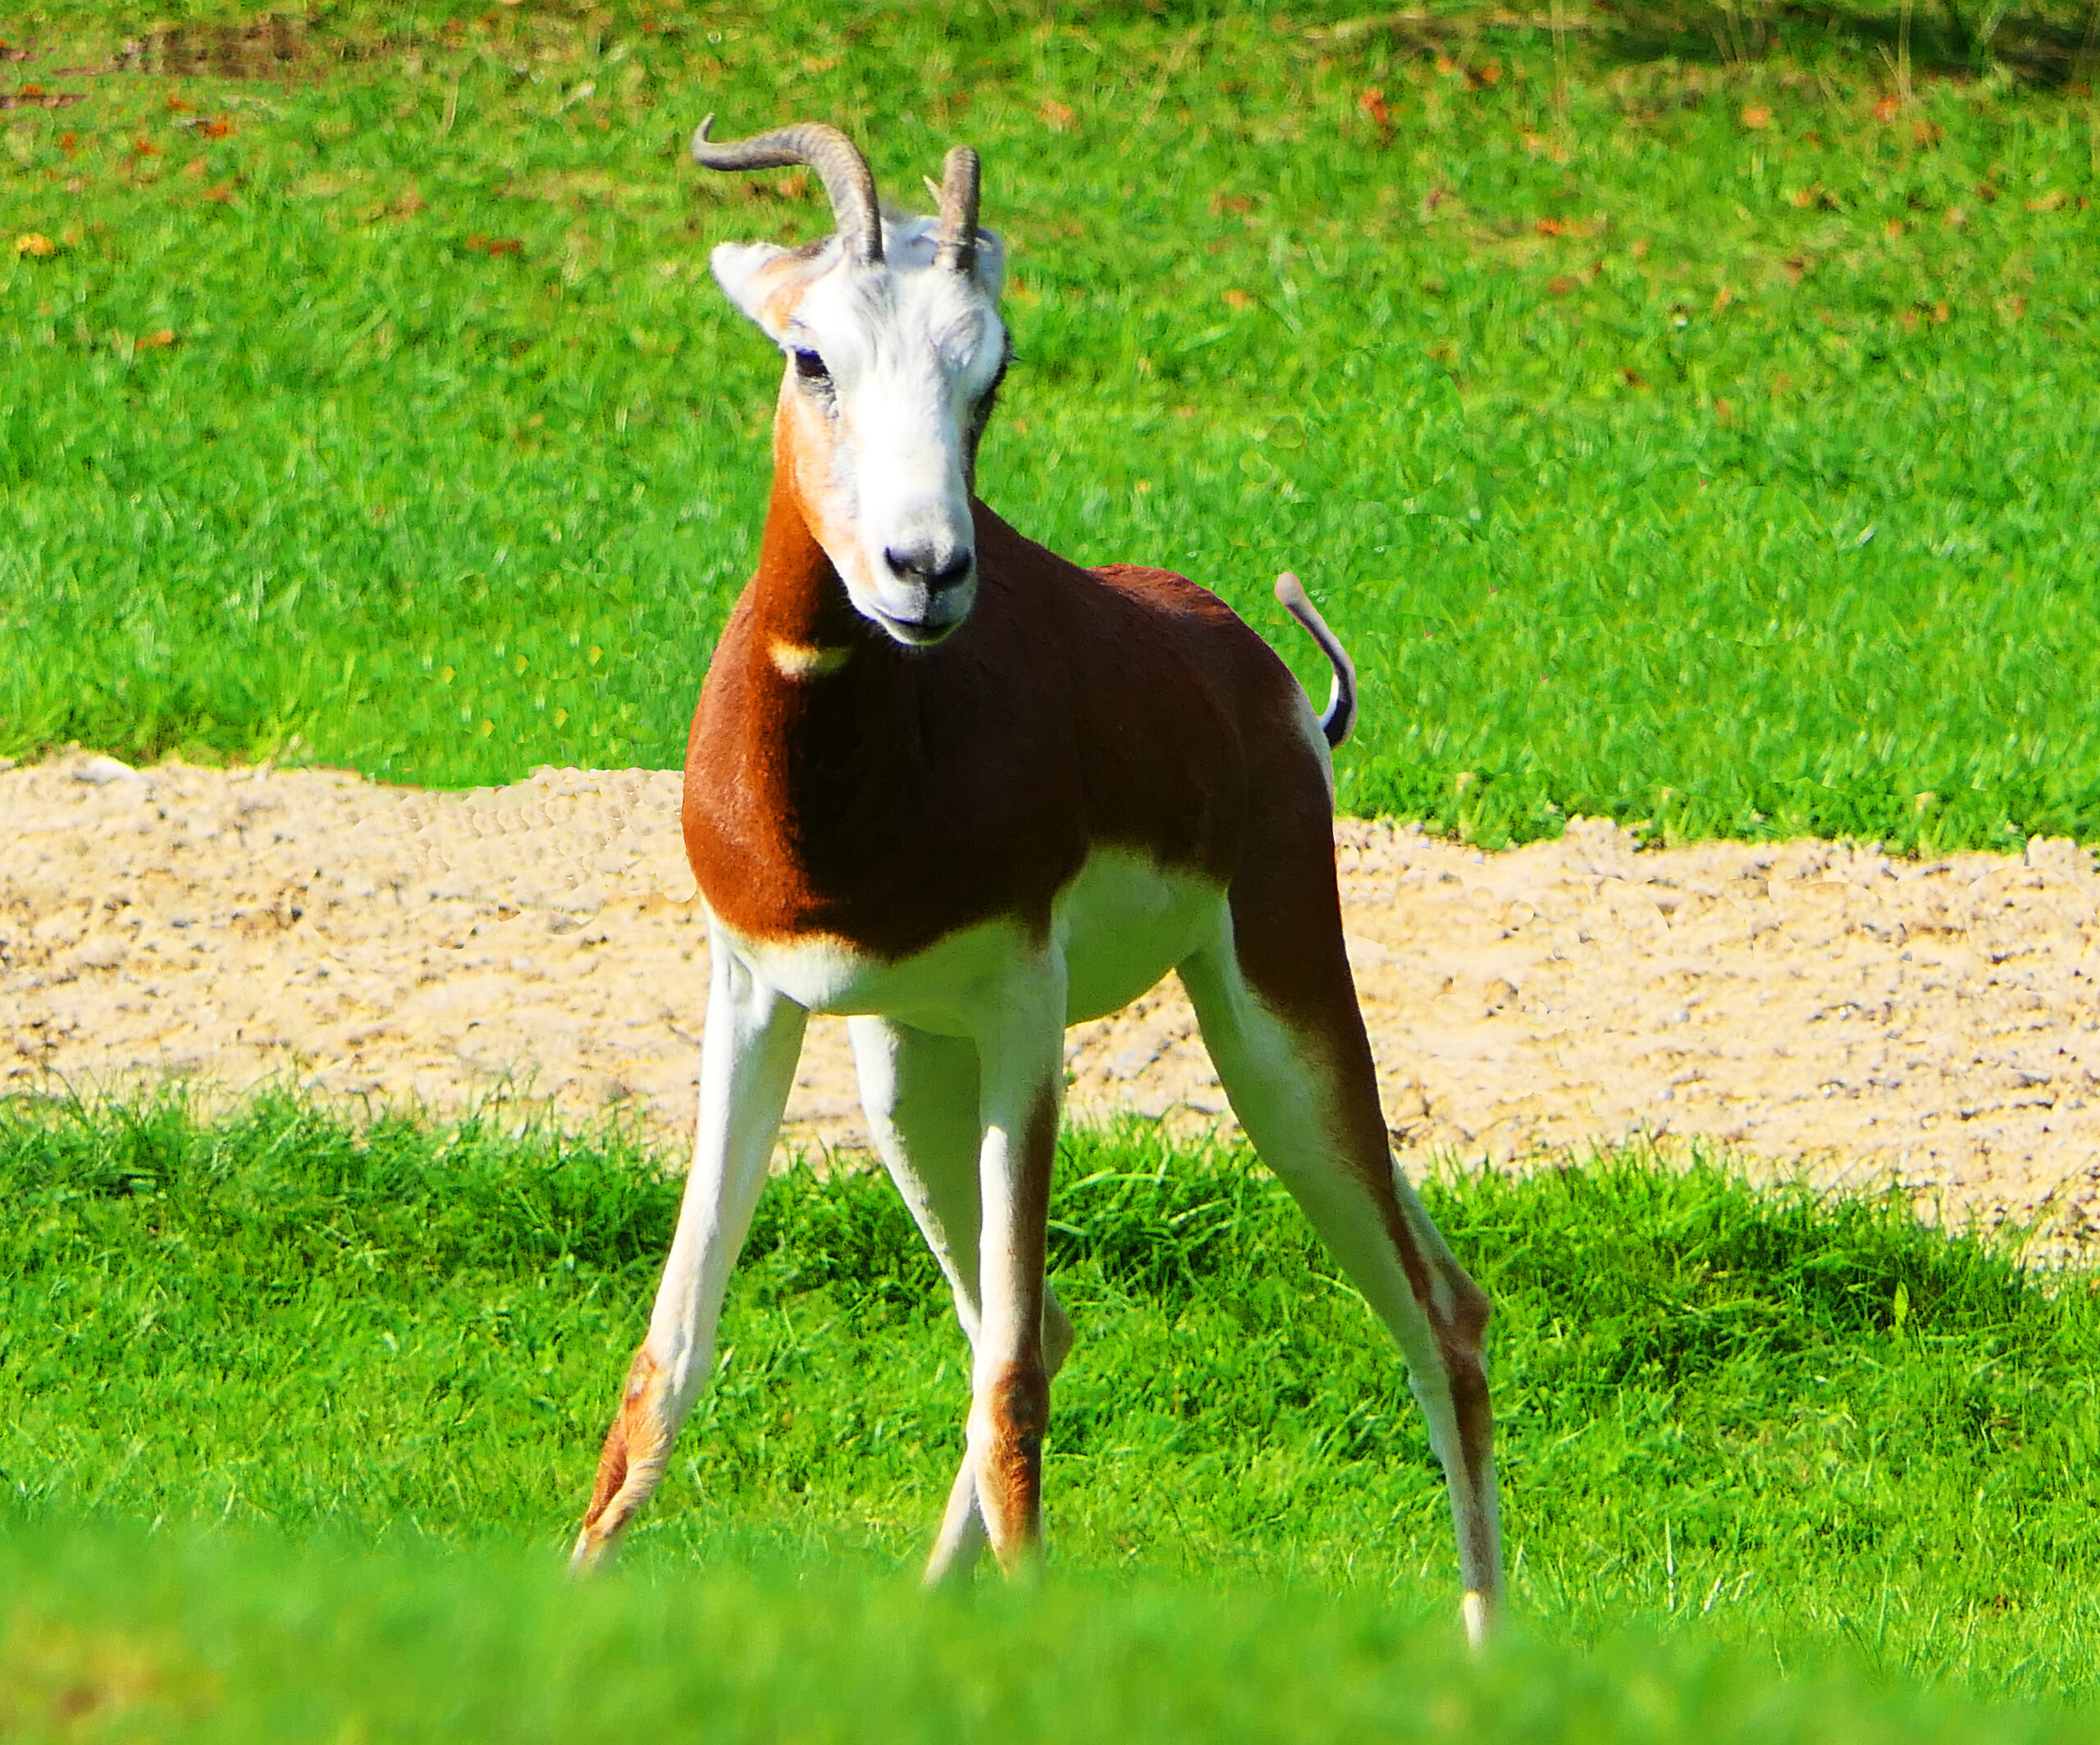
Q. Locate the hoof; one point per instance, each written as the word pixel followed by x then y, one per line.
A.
pixel 1473 1610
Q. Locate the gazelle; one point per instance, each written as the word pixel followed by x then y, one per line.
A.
pixel 967 794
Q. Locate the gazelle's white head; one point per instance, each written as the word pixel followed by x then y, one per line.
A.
pixel 895 351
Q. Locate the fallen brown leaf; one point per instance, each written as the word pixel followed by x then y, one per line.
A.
pixel 35 97
pixel 35 243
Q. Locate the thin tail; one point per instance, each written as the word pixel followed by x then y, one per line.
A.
pixel 1339 720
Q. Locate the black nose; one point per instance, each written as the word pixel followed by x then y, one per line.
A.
pixel 938 574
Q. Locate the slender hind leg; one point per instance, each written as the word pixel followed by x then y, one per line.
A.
pixel 1298 1068
pixel 920 1092
pixel 753 1039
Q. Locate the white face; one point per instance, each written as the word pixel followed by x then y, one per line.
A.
pixel 891 371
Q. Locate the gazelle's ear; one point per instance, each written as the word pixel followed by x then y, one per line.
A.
pixel 740 270
pixel 991 263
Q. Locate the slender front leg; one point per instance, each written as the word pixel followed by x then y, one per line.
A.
pixel 921 1093
pixel 753 1039
pixel 1022 1066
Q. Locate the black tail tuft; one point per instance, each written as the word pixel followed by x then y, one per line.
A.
pixel 1339 720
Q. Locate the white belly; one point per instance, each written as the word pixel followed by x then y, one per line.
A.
pixel 1123 923
pixel 1118 927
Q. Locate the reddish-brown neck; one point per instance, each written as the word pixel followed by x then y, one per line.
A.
pixel 797 596
pixel 806 762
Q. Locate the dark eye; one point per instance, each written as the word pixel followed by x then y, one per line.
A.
pixel 811 368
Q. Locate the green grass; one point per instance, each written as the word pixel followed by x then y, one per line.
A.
pixel 116 1636
pixel 1814 554
pixel 294 1417
pixel 1803 1433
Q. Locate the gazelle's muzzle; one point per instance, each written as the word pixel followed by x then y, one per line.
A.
pixel 926 591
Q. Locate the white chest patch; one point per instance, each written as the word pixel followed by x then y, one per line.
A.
pixel 1118 927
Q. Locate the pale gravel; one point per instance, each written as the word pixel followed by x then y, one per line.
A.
pixel 1814 1008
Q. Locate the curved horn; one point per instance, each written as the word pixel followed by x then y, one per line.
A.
pixel 955 248
pixel 847 180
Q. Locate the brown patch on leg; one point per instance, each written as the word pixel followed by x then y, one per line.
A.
pixel 1457 1311
pixel 1462 1338
pixel 1010 1476
pixel 1459 1326
pixel 630 1462
pixel 1017 1400
pixel 1470 1406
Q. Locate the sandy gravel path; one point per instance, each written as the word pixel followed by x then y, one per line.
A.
pixel 1935 1022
